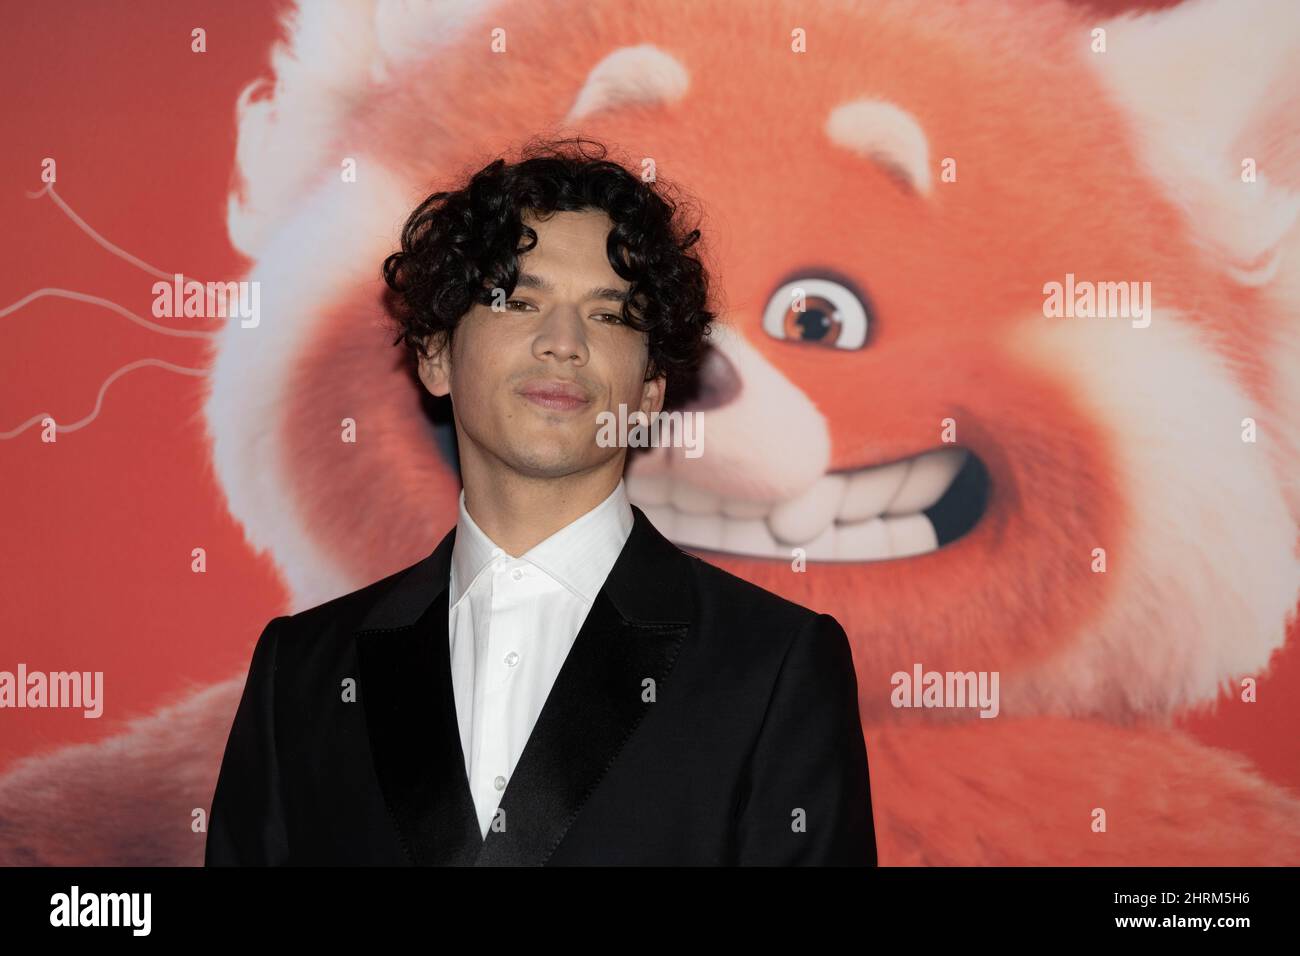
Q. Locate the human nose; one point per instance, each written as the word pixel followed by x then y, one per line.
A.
pixel 561 335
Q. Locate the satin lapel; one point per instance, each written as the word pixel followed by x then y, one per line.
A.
pixel 633 633
pixel 593 709
pixel 406 690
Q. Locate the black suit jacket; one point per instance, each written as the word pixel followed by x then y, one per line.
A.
pixel 698 719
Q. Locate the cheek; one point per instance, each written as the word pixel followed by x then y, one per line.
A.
pixel 479 360
pixel 627 364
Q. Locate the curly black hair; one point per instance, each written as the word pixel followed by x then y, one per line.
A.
pixel 458 246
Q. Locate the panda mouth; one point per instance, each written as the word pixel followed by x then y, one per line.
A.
pixel 899 509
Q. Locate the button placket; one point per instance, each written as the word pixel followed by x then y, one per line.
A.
pixel 492 745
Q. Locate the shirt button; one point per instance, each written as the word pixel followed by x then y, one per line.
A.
pixel 499 783
pixel 517 574
pixel 512 659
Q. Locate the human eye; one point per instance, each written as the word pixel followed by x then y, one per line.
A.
pixel 609 318
pixel 516 302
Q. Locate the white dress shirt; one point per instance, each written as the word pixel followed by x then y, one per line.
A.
pixel 511 623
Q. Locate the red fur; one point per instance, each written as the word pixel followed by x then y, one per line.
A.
pixel 1049 183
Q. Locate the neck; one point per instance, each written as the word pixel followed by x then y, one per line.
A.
pixel 519 511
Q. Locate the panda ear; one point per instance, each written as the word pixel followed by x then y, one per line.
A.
pixel 330 56
pixel 1213 89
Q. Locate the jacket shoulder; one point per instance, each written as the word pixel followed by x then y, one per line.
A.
pixel 745 599
pixel 770 633
pixel 344 613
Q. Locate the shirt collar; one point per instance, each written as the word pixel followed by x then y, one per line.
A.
pixel 579 556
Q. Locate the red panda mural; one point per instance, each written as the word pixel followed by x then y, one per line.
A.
pixel 967 481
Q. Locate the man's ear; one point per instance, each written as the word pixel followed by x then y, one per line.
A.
pixel 652 395
pixel 435 369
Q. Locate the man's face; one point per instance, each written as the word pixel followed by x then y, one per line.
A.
pixel 561 325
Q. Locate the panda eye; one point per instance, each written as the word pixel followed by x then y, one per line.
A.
pixel 817 311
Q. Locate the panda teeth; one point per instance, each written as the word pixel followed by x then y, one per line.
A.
pixel 871 514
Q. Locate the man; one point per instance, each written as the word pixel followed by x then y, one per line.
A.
pixel 556 683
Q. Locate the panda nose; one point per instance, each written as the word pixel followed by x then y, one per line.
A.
pixel 717 384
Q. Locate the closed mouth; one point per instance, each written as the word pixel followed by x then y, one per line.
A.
pixel 557 395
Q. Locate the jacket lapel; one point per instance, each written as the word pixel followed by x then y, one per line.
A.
pixel 632 635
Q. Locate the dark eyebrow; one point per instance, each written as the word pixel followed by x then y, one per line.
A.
pixel 528 280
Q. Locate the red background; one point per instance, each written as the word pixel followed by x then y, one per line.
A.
pixel 98 527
